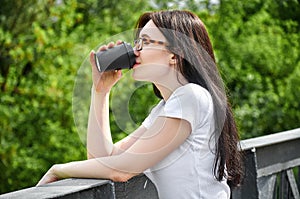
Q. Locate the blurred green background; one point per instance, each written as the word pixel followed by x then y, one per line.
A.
pixel 44 43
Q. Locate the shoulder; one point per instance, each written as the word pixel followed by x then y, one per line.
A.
pixel 190 102
pixel 194 94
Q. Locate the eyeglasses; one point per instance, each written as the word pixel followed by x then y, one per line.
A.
pixel 139 43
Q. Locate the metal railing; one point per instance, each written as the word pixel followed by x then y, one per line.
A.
pixel 72 188
pixel 271 167
pixel 271 172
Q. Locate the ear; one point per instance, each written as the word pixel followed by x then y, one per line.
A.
pixel 172 59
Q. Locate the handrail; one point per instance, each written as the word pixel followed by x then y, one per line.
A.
pixel 270 139
pixel 73 188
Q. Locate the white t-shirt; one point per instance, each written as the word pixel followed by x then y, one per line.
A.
pixel 188 171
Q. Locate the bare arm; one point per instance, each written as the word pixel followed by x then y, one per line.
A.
pixel 99 141
pixel 128 141
pixel 161 139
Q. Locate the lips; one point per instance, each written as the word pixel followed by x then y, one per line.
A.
pixel 135 65
pixel 137 62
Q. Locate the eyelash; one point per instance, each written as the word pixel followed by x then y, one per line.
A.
pixel 146 41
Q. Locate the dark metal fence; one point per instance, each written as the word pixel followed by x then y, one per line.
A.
pixel 271 167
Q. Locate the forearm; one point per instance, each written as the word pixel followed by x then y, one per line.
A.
pixel 92 168
pixel 154 145
pixel 99 141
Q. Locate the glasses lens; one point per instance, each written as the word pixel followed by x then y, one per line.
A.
pixel 138 44
pixel 141 42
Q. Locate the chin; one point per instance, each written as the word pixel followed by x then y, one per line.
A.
pixel 138 77
pixel 150 72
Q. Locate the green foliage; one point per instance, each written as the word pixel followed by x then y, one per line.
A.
pixel 43 44
pixel 257 47
pixel 37 72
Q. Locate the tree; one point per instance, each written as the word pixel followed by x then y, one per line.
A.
pixel 43 44
pixel 36 81
pixel 257 47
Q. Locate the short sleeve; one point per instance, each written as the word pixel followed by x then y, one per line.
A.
pixel 190 102
pixel 153 115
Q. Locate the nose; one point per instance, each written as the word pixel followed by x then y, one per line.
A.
pixel 136 53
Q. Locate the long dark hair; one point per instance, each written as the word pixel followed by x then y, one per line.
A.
pixel 189 41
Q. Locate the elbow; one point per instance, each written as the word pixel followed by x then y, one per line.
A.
pixel 90 156
pixel 120 176
pixel 97 155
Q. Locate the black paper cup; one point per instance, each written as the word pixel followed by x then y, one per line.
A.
pixel 116 58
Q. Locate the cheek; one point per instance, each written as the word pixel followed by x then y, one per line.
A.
pixel 154 66
pixel 154 56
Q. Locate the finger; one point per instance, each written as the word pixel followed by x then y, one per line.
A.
pixel 111 45
pixel 118 73
pixel 119 42
pixel 41 182
pixel 92 58
pixel 101 48
pixel 47 179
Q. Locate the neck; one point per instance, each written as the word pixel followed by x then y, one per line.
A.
pixel 168 87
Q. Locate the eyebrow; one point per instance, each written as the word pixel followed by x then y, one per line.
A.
pixel 145 35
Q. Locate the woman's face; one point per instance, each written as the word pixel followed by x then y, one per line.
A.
pixel 152 62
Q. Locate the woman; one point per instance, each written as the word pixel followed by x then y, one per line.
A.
pixel 188 145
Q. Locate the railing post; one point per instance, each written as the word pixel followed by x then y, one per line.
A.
pixel 298 178
pixel 249 187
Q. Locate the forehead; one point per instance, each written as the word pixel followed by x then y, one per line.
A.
pixel 151 30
